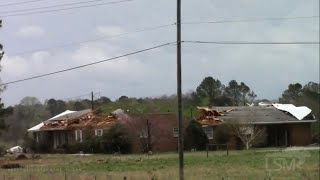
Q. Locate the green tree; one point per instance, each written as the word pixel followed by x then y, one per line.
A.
pixel 233 91
pixel 29 101
pixel 117 139
pixel 55 106
pixel 195 137
pixel 244 90
pixel 209 90
pixel 292 94
pixel 4 112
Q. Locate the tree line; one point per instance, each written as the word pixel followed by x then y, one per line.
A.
pixel 210 92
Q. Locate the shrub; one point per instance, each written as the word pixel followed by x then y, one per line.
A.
pixel 73 148
pixel 222 134
pixel 117 139
pixel 195 137
pixel 93 144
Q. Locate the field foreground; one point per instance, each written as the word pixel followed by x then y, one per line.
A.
pixel 238 165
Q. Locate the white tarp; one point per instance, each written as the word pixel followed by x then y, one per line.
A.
pixel 298 112
pixel 16 149
pixel 37 127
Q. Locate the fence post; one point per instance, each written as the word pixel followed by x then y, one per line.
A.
pixel 124 178
pixel 207 147
pixel 227 150
pixel 95 177
pixel 4 177
pixel 65 175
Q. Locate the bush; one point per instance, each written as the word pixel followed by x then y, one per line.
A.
pixel 117 139
pixel 222 134
pixel 2 150
pixel 93 144
pixel 73 148
pixel 195 137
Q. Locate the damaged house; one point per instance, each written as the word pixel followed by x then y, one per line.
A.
pixel 70 127
pixel 284 124
pixel 154 132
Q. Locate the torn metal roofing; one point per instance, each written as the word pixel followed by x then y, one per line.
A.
pixel 255 115
pixel 61 115
pixel 298 112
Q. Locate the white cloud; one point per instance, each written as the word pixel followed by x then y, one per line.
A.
pixel 267 69
pixel 31 32
pixel 109 30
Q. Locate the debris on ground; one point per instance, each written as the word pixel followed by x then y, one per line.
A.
pixel 11 166
pixel 21 157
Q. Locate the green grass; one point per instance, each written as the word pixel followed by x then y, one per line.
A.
pixel 238 165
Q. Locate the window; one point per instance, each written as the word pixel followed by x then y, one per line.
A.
pixel 209 131
pixel 98 132
pixel 78 134
pixel 175 132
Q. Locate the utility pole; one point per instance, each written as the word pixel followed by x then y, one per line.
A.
pixel 179 92
pixel 92 105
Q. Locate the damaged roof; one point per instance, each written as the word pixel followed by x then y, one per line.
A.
pixel 254 114
pixel 76 120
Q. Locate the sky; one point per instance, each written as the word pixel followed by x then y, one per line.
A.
pixel 33 46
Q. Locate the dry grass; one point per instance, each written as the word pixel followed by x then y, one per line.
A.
pixel 238 165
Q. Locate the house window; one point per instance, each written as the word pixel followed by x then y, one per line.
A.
pixel 209 131
pixel 98 132
pixel 175 132
pixel 78 134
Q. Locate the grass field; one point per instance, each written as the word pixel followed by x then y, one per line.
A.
pixel 238 165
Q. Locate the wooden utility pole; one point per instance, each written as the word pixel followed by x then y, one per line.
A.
pixel 92 105
pixel 179 92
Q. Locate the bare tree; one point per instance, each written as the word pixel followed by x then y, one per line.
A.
pixel 247 132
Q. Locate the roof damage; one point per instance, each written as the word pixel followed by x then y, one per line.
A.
pixel 70 120
pixel 268 114
pixel 211 116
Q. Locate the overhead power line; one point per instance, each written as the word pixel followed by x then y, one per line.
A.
pixel 252 42
pixel 250 20
pixel 65 9
pixel 89 64
pixel 18 3
pixel 53 6
pixel 92 40
pixel 79 96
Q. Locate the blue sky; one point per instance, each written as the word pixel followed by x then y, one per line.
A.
pixel 267 69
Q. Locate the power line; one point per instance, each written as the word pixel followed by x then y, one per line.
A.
pixel 48 7
pixel 18 3
pixel 252 42
pixel 250 20
pixel 79 96
pixel 64 9
pixel 92 40
pixel 89 64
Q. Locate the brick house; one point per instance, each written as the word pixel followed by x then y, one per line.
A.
pixel 70 127
pixel 157 130
pixel 285 124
